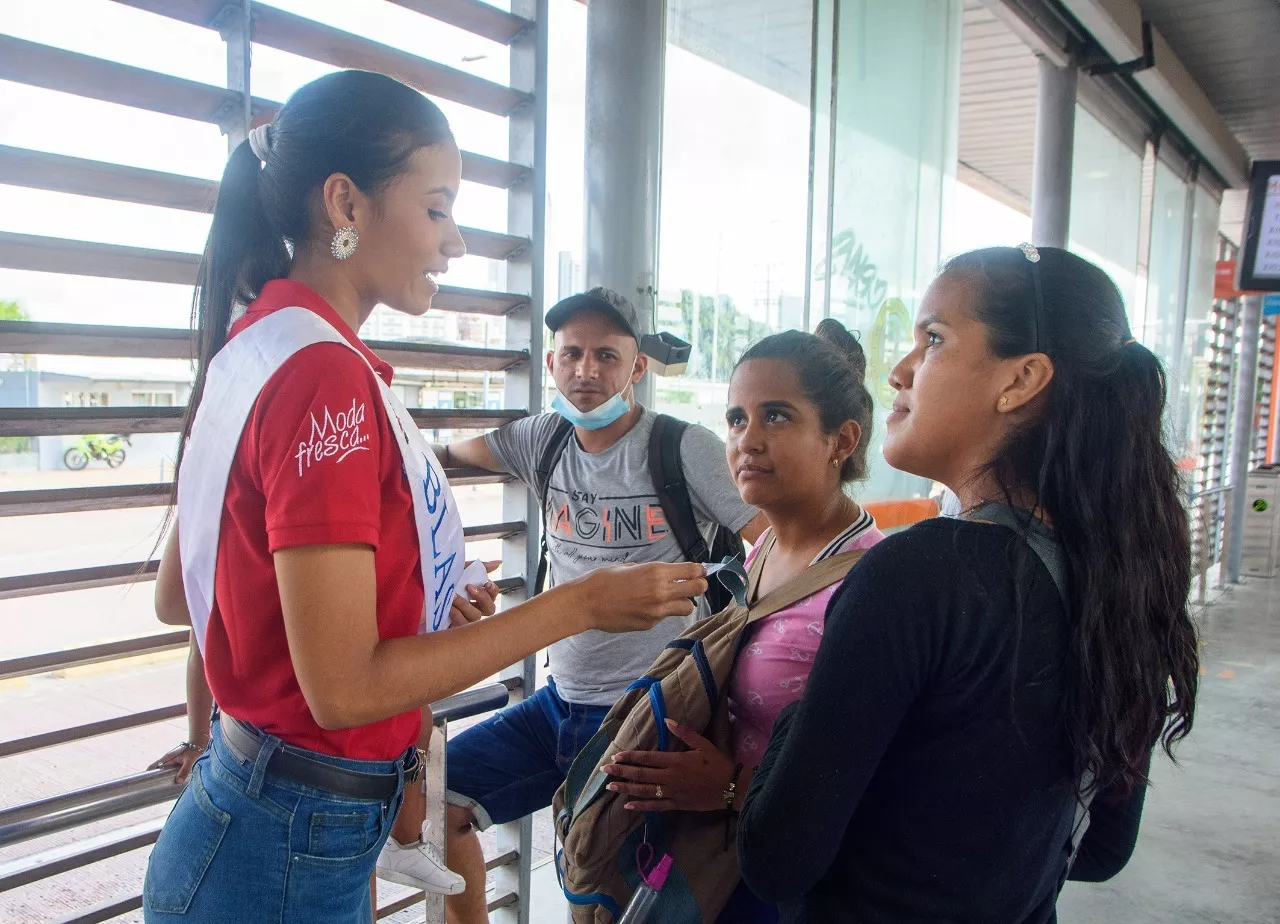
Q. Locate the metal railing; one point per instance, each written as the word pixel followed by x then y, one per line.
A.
pixel 73 809
pixel 36 819
pixel 1207 511
pixel 242 24
pixel 1209 498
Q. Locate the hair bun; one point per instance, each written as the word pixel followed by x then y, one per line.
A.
pixel 836 334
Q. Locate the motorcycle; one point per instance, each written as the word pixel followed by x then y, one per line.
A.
pixel 109 449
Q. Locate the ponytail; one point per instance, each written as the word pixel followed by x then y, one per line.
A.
pixel 1096 461
pixel 364 125
pixel 1133 647
pixel 242 254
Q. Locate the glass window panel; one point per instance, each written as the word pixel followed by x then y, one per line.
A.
pixel 977 220
pixel 1106 204
pixel 1193 373
pixel 1164 283
pixel 732 245
pixel 895 136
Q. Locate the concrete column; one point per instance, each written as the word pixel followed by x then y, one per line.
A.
pixel 626 51
pixel 1055 137
pixel 1245 398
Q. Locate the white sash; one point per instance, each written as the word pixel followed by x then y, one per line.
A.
pixel 236 377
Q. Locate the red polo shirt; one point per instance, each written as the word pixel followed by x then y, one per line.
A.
pixel 317 464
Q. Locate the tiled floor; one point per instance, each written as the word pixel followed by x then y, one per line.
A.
pixel 1209 850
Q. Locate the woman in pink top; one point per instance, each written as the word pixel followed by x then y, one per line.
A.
pixel 799 422
pixel 779 649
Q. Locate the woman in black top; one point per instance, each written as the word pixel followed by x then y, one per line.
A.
pixel 931 770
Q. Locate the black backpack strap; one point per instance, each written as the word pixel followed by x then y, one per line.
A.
pixel 1048 549
pixel 673 492
pixel 555 447
pixel 1039 538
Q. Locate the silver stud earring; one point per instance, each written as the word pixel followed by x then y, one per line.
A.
pixel 344 243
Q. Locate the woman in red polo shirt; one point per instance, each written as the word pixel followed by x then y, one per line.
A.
pixel 318 536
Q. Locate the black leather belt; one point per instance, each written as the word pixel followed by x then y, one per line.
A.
pixel 245 742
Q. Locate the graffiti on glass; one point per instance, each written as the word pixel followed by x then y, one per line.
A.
pixel 866 293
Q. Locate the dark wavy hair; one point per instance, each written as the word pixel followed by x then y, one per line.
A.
pixel 832 369
pixel 359 123
pixel 1096 462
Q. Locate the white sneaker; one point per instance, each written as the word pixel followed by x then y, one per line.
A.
pixel 419 865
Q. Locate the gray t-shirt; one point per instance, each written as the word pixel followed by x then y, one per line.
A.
pixel 602 509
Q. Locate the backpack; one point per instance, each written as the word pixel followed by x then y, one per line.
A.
pixel 667 471
pixel 689 683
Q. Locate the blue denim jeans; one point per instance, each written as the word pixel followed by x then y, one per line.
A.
pixel 511 764
pixel 240 846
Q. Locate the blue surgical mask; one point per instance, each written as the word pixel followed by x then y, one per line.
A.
pixel 595 419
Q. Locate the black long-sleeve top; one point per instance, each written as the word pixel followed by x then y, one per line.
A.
pixel 925 775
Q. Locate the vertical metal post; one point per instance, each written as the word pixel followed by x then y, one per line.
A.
pixel 626 55
pixel 1242 428
pixel 815 31
pixel 1221 525
pixel 1223 511
pixel 435 780
pixel 1055 140
pixel 1202 560
pixel 526 216
pixel 235 25
pixel 821 135
pixel 832 145
pixel 820 45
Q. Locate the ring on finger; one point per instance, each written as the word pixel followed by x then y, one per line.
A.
pixel 657 791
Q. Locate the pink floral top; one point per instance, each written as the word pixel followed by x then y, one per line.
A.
pixel 779 649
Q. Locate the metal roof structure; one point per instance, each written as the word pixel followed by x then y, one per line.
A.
pixel 998 80
pixel 1231 48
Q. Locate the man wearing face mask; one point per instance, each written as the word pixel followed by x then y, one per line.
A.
pixel 600 508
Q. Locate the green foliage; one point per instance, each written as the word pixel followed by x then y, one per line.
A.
pixel 12 311
pixel 718 332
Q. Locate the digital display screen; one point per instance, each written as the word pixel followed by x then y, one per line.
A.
pixel 1267 260
pixel 1260 263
